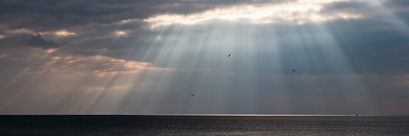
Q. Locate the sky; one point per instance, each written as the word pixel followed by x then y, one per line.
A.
pixel 147 57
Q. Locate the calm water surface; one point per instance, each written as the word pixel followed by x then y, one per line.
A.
pixel 203 125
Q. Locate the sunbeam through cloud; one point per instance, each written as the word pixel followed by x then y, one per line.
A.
pixel 282 57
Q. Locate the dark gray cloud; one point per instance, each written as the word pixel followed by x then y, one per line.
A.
pixel 38 41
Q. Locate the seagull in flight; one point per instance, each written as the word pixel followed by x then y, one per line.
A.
pixel 293 70
pixel 229 55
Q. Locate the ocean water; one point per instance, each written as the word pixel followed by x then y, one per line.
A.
pixel 203 125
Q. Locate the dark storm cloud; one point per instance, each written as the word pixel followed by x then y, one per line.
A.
pixel 96 22
pixel 93 22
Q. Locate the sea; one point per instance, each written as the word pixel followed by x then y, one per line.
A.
pixel 183 125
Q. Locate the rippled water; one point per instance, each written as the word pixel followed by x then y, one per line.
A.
pixel 203 125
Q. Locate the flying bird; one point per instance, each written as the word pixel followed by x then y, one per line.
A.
pixel 192 95
pixel 229 55
pixel 293 70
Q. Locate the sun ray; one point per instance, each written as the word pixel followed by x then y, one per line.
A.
pixel 284 57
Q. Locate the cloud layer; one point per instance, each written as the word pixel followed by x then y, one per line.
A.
pixel 145 57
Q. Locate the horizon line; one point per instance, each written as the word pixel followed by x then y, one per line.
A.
pixel 255 115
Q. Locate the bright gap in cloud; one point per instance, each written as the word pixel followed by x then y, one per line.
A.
pixel 22 30
pixel 51 50
pixel 103 65
pixel 58 33
pixel 64 33
pixel 3 55
pixel 297 12
pixel 120 33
